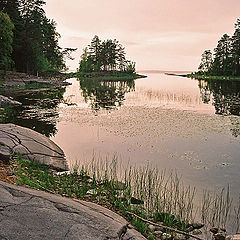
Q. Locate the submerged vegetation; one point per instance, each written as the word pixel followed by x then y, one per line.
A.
pixel 152 196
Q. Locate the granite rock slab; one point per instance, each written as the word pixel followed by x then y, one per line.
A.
pixel 32 146
pixel 30 214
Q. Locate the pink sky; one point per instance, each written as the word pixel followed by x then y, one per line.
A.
pixel 157 34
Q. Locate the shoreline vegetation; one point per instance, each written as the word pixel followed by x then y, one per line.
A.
pixel 16 81
pixel 156 203
pixel 223 63
pixel 209 77
pixel 108 75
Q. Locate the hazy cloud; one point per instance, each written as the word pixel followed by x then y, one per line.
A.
pixel 157 33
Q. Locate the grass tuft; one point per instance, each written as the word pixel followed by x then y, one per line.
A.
pixel 149 193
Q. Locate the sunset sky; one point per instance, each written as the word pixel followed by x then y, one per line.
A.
pixel 157 34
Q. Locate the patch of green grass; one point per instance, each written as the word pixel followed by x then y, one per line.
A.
pixel 164 199
pixel 6 113
pixel 42 177
pixel 37 85
pixel 103 190
pixel 34 85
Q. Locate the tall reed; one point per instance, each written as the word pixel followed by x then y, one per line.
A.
pixel 164 196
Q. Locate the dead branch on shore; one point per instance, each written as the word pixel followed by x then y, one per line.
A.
pixel 165 227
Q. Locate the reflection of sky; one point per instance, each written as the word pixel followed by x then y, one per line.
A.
pixel 154 91
pixel 168 91
pixel 147 130
pixel 73 95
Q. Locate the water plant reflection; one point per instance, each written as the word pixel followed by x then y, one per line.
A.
pixel 107 95
pixel 38 111
pixel 225 95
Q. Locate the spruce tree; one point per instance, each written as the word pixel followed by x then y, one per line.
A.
pixel 6 39
pixel 222 57
pixel 236 50
pixel 206 62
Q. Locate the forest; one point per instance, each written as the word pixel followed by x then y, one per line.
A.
pixel 29 41
pixel 225 60
pixel 107 55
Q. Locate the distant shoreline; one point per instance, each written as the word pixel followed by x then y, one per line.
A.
pixel 178 75
pixel 165 71
pixel 222 78
pixel 106 76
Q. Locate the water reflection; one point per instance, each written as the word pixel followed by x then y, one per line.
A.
pixel 38 111
pixel 105 94
pixel 225 95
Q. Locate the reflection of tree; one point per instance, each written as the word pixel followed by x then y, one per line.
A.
pixel 204 91
pixel 38 111
pixel 225 96
pixel 105 94
pixel 235 129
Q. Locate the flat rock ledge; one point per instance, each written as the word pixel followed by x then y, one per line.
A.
pixel 30 214
pixel 21 79
pixel 31 145
pixel 5 101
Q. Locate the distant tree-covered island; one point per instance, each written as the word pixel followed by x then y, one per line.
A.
pixel 224 62
pixel 106 60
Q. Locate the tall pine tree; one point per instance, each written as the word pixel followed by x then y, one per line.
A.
pixel 6 39
pixel 236 50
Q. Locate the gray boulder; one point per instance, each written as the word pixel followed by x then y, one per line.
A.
pixel 32 146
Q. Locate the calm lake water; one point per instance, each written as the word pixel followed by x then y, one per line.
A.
pixel 167 122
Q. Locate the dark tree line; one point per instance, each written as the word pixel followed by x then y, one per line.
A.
pixel 108 55
pixel 6 39
pixel 34 45
pixel 225 61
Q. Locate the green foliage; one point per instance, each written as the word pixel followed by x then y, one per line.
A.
pixel 5 114
pixel 223 57
pixel 236 50
pixel 6 39
pixel 226 61
pixel 164 198
pixel 130 67
pixel 206 61
pixel 35 44
pixel 105 56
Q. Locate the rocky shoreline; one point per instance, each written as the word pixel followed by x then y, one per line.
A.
pixel 31 145
pixel 32 214
pixel 16 79
pixel 36 147
pixel 12 82
pixel 5 101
